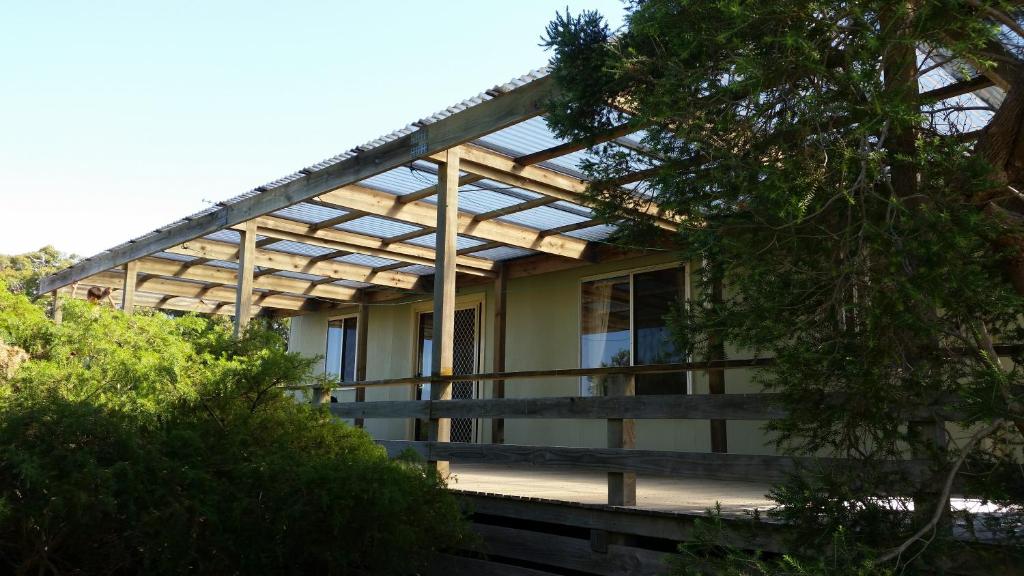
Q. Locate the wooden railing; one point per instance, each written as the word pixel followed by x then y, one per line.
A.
pixel 619 408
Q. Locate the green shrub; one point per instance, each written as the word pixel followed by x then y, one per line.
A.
pixel 146 444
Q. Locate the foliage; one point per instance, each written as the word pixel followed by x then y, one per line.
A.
pixel 158 445
pixel 22 272
pixel 865 241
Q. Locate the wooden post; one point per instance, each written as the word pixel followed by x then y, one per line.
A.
pixel 362 328
pixel 443 350
pixel 131 275
pixel 246 265
pixel 322 395
pixel 716 376
pixel 498 386
pixel 58 311
pixel 621 434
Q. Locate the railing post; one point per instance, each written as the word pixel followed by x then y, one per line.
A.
pixel 716 376
pixel 442 350
pixel 621 434
pixel 362 327
pixel 498 386
pixel 58 311
pixel 321 395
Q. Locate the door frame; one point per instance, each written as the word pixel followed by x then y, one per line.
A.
pixel 462 302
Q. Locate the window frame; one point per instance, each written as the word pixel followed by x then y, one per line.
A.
pixel 630 273
pixel 342 318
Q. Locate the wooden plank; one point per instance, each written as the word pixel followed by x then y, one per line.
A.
pixel 569 553
pixel 675 526
pixel 443 347
pixel 576 145
pixel 621 434
pixel 131 276
pixel 498 352
pixel 246 265
pixel 226 276
pixel 958 88
pixel 574 372
pixel 335 239
pixel 159 302
pixel 273 260
pixel 423 213
pixel 208 292
pixel 494 166
pixel 501 111
pixel 56 308
pixel 709 465
pixel 362 346
pixel 667 406
pixel 451 565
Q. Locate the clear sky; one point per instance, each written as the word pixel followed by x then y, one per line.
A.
pixel 118 117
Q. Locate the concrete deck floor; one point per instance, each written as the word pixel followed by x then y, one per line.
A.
pixel 686 495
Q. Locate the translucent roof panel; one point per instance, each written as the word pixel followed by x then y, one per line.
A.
pixel 299 248
pixel 598 233
pixel 177 257
pixel 380 227
pixel 224 236
pixel 542 218
pixel 417 269
pixel 461 242
pixel 364 260
pixel 523 138
pixel 297 275
pixel 503 253
pixel 403 180
pixel 309 213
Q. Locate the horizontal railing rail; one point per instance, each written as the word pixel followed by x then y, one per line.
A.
pixel 706 465
pixel 763 406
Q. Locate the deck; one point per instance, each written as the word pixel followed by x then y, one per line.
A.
pixel 654 493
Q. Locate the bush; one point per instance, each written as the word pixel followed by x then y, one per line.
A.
pixel 145 444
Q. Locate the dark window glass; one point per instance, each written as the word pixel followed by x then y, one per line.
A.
pixel 341 349
pixel 655 293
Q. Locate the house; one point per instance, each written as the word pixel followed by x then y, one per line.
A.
pixel 347 247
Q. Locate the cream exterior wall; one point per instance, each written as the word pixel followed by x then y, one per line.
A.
pixel 542 316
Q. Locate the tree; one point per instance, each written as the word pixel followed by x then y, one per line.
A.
pixel 22 272
pixel 870 233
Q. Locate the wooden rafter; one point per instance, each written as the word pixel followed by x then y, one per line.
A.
pixel 360 243
pixel 424 214
pixel 228 277
pixel 575 146
pixel 186 289
pixel 271 260
pixel 158 302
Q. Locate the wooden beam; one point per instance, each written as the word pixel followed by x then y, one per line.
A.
pixel 229 277
pixel 499 112
pixel 575 146
pixel 958 88
pixel 158 302
pixel 210 292
pixel 443 346
pixel 363 244
pixel 498 352
pixel 331 222
pixel 56 310
pixel 246 265
pixel 131 275
pixel 425 214
pixel 647 407
pixel 494 166
pixel 429 191
pixel 273 260
pixel 708 465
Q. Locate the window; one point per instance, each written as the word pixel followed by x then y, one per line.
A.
pixel 341 349
pixel 623 323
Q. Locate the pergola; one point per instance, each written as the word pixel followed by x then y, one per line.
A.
pixel 455 195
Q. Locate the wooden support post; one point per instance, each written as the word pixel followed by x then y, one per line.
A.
pixel 621 434
pixel 498 386
pixel 131 275
pixel 716 376
pixel 57 310
pixel 246 265
pixel 444 295
pixel 321 395
pixel 362 329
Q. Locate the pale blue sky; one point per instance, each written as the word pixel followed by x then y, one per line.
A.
pixel 117 117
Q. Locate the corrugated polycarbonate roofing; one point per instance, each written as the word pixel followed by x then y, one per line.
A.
pixel 481 198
